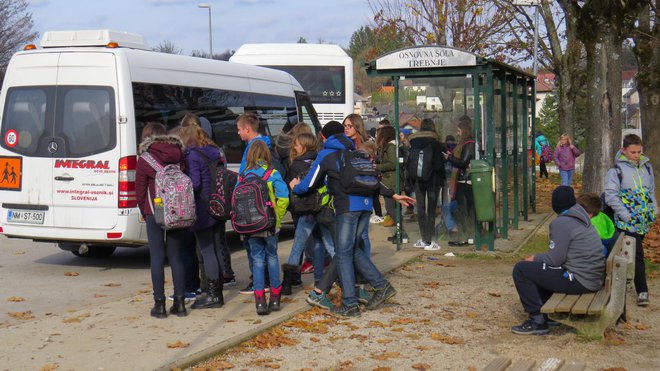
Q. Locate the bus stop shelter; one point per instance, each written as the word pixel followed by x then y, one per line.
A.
pixel 445 84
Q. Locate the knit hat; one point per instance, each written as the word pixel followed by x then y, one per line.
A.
pixel 332 128
pixel 563 198
pixel 206 126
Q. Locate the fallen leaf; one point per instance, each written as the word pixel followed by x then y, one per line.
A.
pixel 21 315
pixel 71 274
pixel 444 264
pixel 314 339
pixel 382 368
pixel 100 295
pixel 426 295
pixel 136 300
pixel 358 337
pixel 421 366
pixel 256 322
pixel 447 339
pixel 178 344
pixel 642 327
pixel 384 341
pixel 373 324
pixel 472 368
pixel 495 294
pixel 49 367
pixel 611 338
pixel 112 284
pixel 471 314
pixel 385 356
pixel 218 365
pixel 423 348
pixel 615 369
pixel 414 336
pixel 397 329
pixel 15 299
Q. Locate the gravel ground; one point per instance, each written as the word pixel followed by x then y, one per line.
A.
pixel 449 314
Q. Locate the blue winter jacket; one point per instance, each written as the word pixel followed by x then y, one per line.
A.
pixel 198 170
pixel 325 170
pixel 247 147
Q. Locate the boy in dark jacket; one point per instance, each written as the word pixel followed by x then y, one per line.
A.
pixel 575 263
pixel 352 217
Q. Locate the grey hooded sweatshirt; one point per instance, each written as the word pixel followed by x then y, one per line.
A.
pixel 576 247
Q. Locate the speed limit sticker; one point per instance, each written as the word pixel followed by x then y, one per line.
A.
pixel 11 138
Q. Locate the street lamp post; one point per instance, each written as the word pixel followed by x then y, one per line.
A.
pixel 208 6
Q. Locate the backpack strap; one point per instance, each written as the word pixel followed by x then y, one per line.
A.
pixel 152 161
pixel 267 174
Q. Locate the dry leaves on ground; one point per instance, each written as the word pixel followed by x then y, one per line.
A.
pixel 447 339
pixel 71 274
pixel 15 299
pixel 178 344
pixel 385 356
pixel 49 367
pixel 21 315
pixel 113 284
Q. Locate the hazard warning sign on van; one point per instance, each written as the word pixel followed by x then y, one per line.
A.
pixel 11 168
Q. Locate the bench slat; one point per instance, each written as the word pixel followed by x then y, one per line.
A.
pixel 498 364
pixel 523 365
pixel 600 300
pixel 582 304
pixel 567 303
pixel 551 364
pixel 549 306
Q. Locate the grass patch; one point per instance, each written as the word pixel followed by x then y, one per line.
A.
pixel 535 245
pixel 651 267
pixel 476 255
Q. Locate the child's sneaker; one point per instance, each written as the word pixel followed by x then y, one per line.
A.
pixel 229 281
pixel 375 219
pixel 420 244
pixel 363 295
pixel 306 267
pixel 188 297
pixel 643 299
pixel 319 300
pixel 433 246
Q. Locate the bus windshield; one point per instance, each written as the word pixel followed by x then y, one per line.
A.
pixel 324 84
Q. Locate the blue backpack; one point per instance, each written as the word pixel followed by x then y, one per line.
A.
pixel 358 175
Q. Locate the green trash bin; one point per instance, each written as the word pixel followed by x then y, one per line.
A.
pixel 481 175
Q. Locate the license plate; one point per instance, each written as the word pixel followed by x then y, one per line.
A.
pixel 26 216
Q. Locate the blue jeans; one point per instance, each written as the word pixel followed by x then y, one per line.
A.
pixel 447 215
pixel 304 228
pixel 566 177
pixel 263 251
pixel 351 256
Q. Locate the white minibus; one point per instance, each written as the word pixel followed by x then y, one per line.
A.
pixel 325 71
pixel 71 116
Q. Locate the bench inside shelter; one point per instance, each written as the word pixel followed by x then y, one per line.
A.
pixel 590 314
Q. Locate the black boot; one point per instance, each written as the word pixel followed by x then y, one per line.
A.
pixel 260 302
pixel 159 310
pixel 213 298
pixel 288 270
pixel 296 279
pixel 275 297
pixel 179 306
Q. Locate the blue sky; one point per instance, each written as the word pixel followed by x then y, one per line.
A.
pixel 235 22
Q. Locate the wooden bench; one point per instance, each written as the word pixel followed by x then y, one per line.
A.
pixel 550 364
pixel 590 314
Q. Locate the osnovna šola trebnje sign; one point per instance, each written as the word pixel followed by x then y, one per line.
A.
pixel 426 57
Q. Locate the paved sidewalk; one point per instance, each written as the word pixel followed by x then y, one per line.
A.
pixel 121 335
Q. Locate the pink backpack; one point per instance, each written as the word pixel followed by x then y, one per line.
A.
pixel 175 189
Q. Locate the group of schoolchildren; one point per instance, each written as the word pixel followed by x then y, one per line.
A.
pixel 326 205
pixel 584 233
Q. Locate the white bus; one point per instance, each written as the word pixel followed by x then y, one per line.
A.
pixel 71 115
pixel 325 71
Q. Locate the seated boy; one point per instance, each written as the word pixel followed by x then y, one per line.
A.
pixel 575 263
pixel 603 224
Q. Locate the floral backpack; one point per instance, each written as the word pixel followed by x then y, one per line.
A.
pixel 174 203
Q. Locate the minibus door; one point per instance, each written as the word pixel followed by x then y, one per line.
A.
pixel 87 150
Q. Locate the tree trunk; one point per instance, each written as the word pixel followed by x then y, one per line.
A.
pixel 566 103
pixel 648 86
pixel 603 130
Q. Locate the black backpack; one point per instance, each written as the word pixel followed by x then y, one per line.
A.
pixel 223 182
pixel 358 175
pixel 420 163
pixel 252 209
